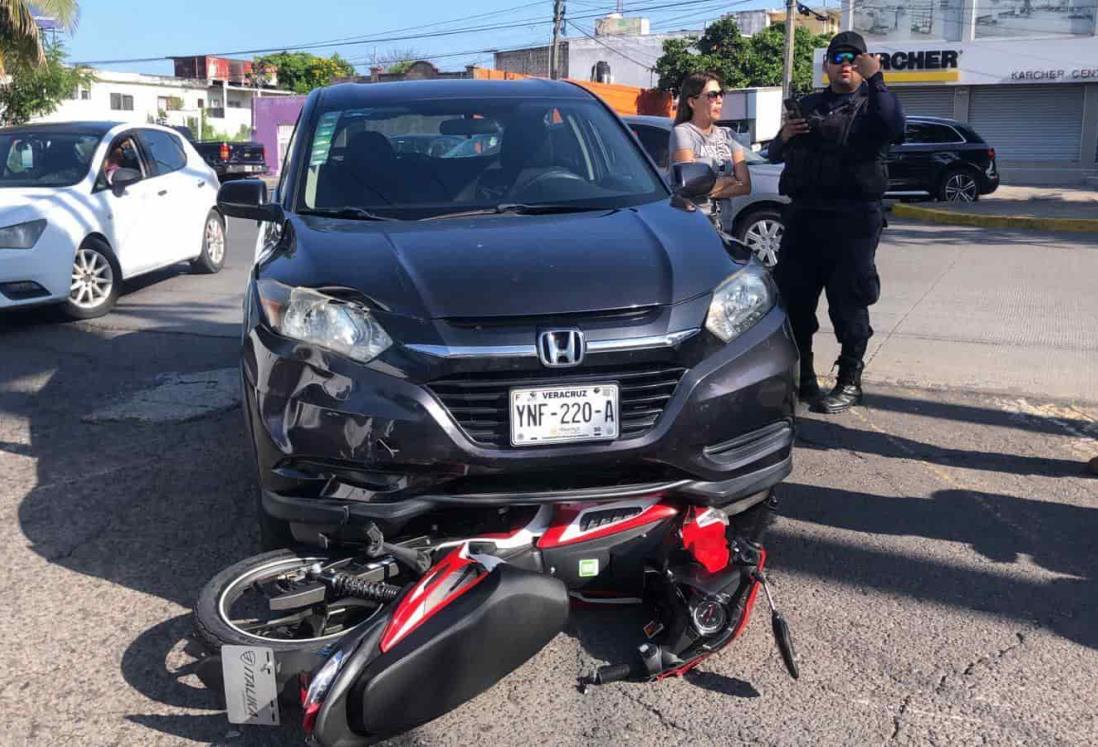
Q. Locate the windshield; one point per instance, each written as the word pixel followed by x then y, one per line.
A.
pixel 55 159
pixel 424 158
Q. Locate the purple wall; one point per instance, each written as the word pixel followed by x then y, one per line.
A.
pixel 268 112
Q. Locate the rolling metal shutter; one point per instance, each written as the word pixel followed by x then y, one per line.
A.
pixel 925 102
pixel 1029 123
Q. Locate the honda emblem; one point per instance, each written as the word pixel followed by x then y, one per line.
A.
pixel 561 348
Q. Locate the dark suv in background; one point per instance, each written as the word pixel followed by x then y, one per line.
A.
pixel 943 158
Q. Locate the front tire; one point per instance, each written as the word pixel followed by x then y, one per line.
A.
pixel 225 597
pixel 761 230
pixel 959 185
pixel 212 258
pixel 96 281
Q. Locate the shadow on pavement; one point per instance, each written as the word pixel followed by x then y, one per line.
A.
pixel 160 508
pixel 825 436
pixel 154 507
pixel 1059 538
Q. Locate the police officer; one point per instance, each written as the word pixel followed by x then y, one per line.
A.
pixel 835 176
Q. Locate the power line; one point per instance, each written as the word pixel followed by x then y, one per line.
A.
pixel 618 52
pixel 383 39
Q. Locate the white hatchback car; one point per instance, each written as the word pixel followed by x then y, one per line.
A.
pixel 87 205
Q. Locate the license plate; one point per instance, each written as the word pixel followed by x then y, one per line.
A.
pixel 251 693
pixel 563 414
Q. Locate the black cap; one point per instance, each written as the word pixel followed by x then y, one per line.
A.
pixel 845 40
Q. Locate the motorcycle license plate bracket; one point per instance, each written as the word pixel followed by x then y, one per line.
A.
pixel 250 682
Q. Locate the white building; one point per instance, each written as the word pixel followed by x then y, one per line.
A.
pixel 140 98
pixel 1023 75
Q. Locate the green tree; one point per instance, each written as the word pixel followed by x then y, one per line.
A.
pixel 765 62
pixel 20 37
pixel 722 50
pixel 402 59
pixel 740 61
pixel 301 72
pixel 34 89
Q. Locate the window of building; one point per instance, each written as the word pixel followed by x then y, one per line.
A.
pixel 121 102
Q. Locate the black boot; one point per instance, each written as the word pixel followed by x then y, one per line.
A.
pixel 848 388
pixel 809 389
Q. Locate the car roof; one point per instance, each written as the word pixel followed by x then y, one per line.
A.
pixel 349 95
pixel 648 119
pixel 79 128
pixel 935 120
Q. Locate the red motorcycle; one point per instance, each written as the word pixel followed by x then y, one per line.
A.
pixel 385 636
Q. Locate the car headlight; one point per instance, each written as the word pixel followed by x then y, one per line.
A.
pixel 740 301
pixel 21 235
pixel 311 316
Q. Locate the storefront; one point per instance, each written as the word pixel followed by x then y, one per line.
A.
pixel 1028 84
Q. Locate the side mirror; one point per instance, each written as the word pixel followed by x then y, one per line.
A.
pixel 693 179
pixel 247 198
pixel 123 178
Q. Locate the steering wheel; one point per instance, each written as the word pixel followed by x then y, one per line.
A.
pixel 555 173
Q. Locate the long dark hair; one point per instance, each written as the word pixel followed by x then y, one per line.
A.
pixel 692 85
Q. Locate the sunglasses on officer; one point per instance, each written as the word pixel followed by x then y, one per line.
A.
pixel 844 57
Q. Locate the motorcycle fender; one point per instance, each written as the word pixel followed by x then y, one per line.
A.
pixel 458 652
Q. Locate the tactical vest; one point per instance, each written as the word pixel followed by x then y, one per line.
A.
pixel 824 165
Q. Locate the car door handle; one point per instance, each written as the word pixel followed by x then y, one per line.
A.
pixel 161 193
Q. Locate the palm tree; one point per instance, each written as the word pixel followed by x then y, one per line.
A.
pixel 20 37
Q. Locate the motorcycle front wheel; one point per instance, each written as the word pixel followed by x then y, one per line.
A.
pixel 235 607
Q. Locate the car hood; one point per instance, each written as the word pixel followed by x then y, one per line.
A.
pixel 19 204
pixel 510 265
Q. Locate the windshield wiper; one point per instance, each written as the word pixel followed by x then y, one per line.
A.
pixel 522 208
pixel 347 211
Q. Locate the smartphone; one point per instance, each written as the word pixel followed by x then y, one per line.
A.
pixel 793 109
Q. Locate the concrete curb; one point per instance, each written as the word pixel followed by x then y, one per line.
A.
pixel 933 215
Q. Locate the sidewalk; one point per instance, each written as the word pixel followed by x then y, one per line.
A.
pixel 1044 208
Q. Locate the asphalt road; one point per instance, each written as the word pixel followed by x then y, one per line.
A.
pixel 937 554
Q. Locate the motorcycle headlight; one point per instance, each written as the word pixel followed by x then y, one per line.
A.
pixel 739 302
pixel 311 316
pixel 21 235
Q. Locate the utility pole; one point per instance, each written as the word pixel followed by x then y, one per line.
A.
pixel 554 50
pixel 787 70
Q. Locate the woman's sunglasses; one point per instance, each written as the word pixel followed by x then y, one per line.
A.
pixel 843 58
pixel 713 95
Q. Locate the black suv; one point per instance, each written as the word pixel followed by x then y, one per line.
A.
pixel 536 322
pixel 943 158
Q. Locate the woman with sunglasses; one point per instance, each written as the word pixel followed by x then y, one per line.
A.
pixel 834 144
pixel 696 137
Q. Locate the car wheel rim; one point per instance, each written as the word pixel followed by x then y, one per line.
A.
pixel 764 237
pixel 92 279
pixel 254 618
pixel 215 241
pixel 960 188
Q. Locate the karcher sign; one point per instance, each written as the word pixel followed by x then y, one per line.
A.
pixel 985 62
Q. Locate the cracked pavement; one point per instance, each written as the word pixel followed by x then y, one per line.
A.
pixel 936 553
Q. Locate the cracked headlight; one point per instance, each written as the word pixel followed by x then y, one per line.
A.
pixel 740 301
pixel 21 235
pixel 311 316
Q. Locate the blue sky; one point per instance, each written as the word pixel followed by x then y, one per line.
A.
pixel 127 29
